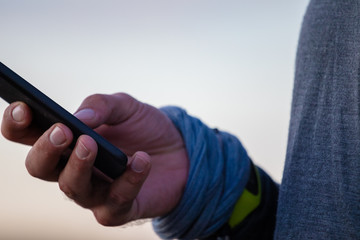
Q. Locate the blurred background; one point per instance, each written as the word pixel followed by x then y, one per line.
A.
pixel 230 63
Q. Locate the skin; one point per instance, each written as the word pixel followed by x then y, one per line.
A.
pixel 156 174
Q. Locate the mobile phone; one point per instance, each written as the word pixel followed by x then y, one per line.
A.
pixel 110 160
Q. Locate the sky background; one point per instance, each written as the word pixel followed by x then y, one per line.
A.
pixel 230 63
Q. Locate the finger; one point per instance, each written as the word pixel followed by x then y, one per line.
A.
pixel 16 123
pixel 101 109
pixel 75 179
pixel 44 157
pixel 121 206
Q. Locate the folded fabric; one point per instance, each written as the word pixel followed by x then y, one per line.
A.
pixel 219 170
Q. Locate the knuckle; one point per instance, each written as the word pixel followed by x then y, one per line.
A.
pixel 97 98
pixel 124 96
pixel 128 102
pixel 119 199
pixel 134 179
pixel 32 169
pixel 4 130
pixel 38 173
pixel 109 218
pixel 126 99
pixel 105 219
pixel 9 133
pixel 67 190
pixel 107 222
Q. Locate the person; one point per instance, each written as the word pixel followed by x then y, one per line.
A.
pixel 198 182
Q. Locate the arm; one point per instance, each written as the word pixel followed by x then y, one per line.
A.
pixel 160 181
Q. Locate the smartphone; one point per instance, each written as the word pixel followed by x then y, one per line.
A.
pixel 110 160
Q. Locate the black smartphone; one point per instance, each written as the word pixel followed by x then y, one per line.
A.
pixel 110 160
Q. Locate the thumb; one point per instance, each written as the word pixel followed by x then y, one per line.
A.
pixel 113 109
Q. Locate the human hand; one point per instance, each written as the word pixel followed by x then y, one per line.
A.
pixel 156 175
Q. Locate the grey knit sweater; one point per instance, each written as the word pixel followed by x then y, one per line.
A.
pixel 320 191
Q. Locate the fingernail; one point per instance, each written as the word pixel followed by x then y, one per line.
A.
pixel 85 114
pixel 18 114
pixel 138 165
pixel 57 136
pixel 81 151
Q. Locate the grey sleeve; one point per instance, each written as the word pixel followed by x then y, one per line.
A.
pixel 320 191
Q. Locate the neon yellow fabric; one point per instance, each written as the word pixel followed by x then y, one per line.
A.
pixel 246 204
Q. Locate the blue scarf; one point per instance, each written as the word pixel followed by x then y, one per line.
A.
pixel 219 170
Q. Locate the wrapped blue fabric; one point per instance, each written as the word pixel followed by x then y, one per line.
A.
pixel 219 170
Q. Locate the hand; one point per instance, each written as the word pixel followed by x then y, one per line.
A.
pixel 156 174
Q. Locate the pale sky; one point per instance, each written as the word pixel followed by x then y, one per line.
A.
pixel 230 63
